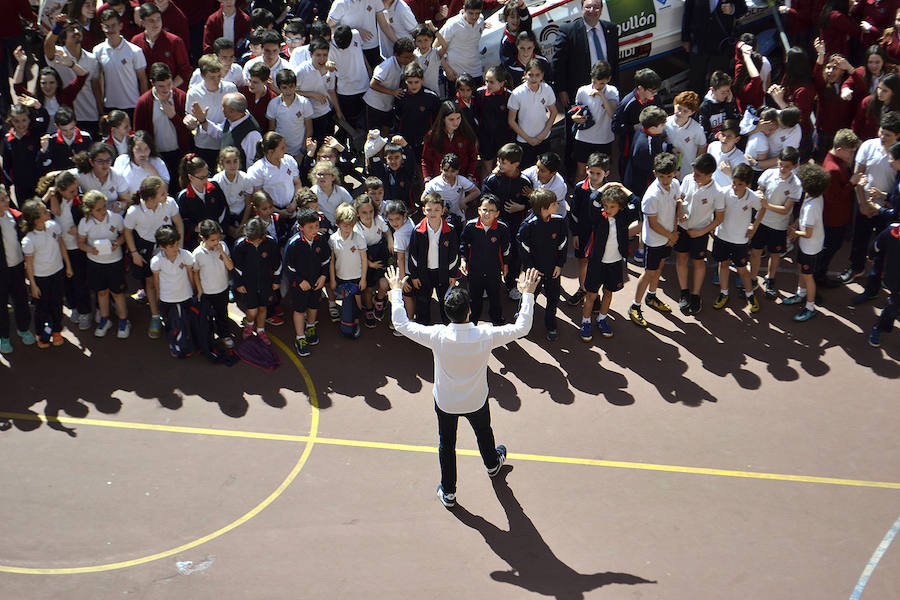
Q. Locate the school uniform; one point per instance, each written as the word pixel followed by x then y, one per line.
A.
pixel 809 248
pixel 700 205
pixel 486 251
pixel 176 300
pixel 639 170
pixel 580 225
pixel 75 288
pixel 509 189
pixel 144 222
pixel 376 247
pixel 196 207
pixel 12 274
pixel 402 20
pixel 359 14
pixel 399 184
pixel 784 137
pixel 206 143
pixel 627 115
pixel 772 232
pixel 453 194
pixel 532 107
pixel 731 241
pixel 544 247
pixel 85 104
pixel 734 158
pixel 169 49
pixel 606 249
pixel 277 181
pixel 556 184
pixel 214 278
pixel 21 164
pixel 120 65
pixel 290 120
pixel 881 176
pixel 379 105
pixel 328 203
pixel 660 203
pixel 43 247
pixel 353 80
pixel 684 140
pixel 306 260
pixel 134 175
pixel 886 250
pixel 599 136
pixel 256 268
pixel 712 115
pixel 114 185
pixel 433 260
pixel 234 192
pixel 430 62
pixel 309 79
pixel 414 115
pixel 105 270
pixel 493 125
pixel 463 44
pixel 60 151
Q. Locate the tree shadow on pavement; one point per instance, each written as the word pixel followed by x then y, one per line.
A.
pixel 533 565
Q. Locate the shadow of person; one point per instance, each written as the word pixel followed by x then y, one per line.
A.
pixel 533 565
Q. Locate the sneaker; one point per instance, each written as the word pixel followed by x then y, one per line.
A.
pixel 301 346
pixel 636 316
pixel 370 319
pixel 379 310
pixel 656 303
pixel 715 277
pixel 753 303
pixel 140 296
pixel 501 458
pixel 84 322
pixel 515 294
pixel 863 296
pixel 604 327
pixel 248 330
pixel 396 333
pixel 696 304
pixel 334 313
pixel 795 299
pixel 5 346
pixel 448 500
pixel 849 275
pixel 769 286
pixel 685 300
pixel 804 315
pixel 27 337
pixel 43 342
pixel 638 256
pixel 103 328
pixel 576 298
pixel 124 329
pixel 874 338
pixel 586 330
pixel 275 320
pixel 312 335
pixel 155 329
pixel 552 335
pixel 74 317
pixel 264 338
pixel 721 301
pixel 57 339
pixel 357 331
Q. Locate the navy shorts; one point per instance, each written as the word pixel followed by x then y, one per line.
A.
pixel 736 253
pixel 609 276
pixel 654 256
pixel 106 276
pixel 696 247
pixel 773 240
pixel 302 300
pixel 582 150
pixel 807 262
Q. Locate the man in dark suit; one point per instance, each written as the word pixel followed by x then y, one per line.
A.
pixel 707 35
pixel 579 45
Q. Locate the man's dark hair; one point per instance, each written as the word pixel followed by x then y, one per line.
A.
pixel 295 25
pixel 456 305
pixel 260 70
pixel 270 36
pixel 222 43
pixel 647 79
pixel 404 46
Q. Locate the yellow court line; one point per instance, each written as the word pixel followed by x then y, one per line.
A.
pixel 309 439
pixel 433 450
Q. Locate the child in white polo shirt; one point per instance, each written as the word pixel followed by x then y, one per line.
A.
pixel 290 114
pixel 810 232
pixel 173 274
pixel 532 111
pixel 387 84
pixel 45 255
pixel 456 191
pixel 349 263
pixel 237 186
pixel 212 264
pixel 461 35
pixel 684 133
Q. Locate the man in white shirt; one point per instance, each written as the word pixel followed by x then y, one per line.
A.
pixel 124 66
pixel 231 132
pixel 461 352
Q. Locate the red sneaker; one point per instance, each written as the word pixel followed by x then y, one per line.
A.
pixel 264 338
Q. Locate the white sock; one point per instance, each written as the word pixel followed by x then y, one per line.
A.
pixel 723 292
pixel 749 294
pixel 600 317
pixel 801 291
pixel 811 306
pixel 585 320
pixel 301 337
pixel 260 329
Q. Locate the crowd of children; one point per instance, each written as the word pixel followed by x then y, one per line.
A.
pixel 247 180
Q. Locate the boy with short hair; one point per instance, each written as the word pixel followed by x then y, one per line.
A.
pixel 349 262
pixel 208 94
pixel 732 237
pixel 811 235
pixel 456 191
pixel 270 44
pixel 258 93
pixel 429 56
pixel 725 151
pixel 173 273
pixel 626 119
pixel 684 133
pixel 788 132
pixel 702 210
pixel 223 48
pixel 887 248
pixel 57 153
pixel 306 260
pixel 718 105
pixel 545 174
pixel 649 141
pixel 386 85
pixel 416 108
pixel 483 248
pixel 580 225
pixel 397 173
pixel 543 238
pixel 659 207
pixel 433 253
pixel 290 114
pixel 839 200
pixel 600 99
pixel 780 190
pixel 461 37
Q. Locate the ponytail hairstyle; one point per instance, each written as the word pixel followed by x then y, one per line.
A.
pixel 58 179
pixel 150 187
pixel 502 75
pixel 114 119
pixel 259 198
pixel 90 200
pixel 255 229
pixel 83 159
pixel 209 227
pixel 190 163
pixel 64 180
pixel 225 153
pixel 268 143
pixel 31 212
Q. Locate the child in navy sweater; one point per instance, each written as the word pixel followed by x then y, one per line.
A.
pixel 416 108
pixel 57 152
pixel 306 261
pixel 397 172
pixel 484 248
pixel 489 103
pixel 20 150
pixel 718 106
pixel 626 120
pixel 257 275
pixel 649 141
pixel 429 276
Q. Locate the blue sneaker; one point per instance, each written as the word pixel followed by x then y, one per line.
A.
pixel 638 256
pixel 5 346
pixel 605 330
pixel 27 337
pixel 804 315
pixel 795 299
pixel 501 458
pixel 874 338
pixel 586 328
pixel 448 500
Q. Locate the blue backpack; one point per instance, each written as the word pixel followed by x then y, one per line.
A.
pixel 349 326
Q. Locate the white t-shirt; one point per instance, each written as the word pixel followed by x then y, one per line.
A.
pixel 211 266
pixel 734 158
pixel 374 234
pixel 310 80
pixel 290 120
pixel 234 75
pixel 811 216
pixel 120 66
pixel 134 174
pixel 557 185
pixel 211 100
pixel 784 137
pixel 601 132
pixel 100 234
pixel 611 252
pixel 738 217
pixel 463 40
pixel 145 222
pixel 273 70
pixel 278 181
pixel 660 203
pixel 758 145
pixel 328 203
pixel 66 222
pixel 778 191
pixel 299 55
pixel 402 20
pixel 85 104
pixel 358 14
pixel 352 75
pixel 44 247
pixel 877 162
pixel 431 64
pixel 452 194
pixel 685 139
pixel 115 184
pixel 11 246
pixel 402 235
pixel 174 277
pixel 701 203
pixel 347 262
pixel 388 73
pixel 232 190
pixel 532 107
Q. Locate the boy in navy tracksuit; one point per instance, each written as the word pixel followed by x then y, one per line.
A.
pixel 887 248
pixel 626 119
pixel 649 141
pixel 416 109
pixel 68 141
pixel 583 196
pixel 257 275
pixel 427 276
pixel 484 246
pixel 306 259
pixel 543 238
pixel 396 172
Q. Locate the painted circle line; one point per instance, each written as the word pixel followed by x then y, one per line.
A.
pixel 313 430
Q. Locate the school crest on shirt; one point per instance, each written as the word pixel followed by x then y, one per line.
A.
pixel 166 219
pixel 494 240
pixel 704 201
pixel 124 61
pixel 353 249
pixel 446 244
pixel 369 8
pixel 553 236
pixel 112 229
pixel 182 266
pixel 299 114
pixel 55 235
pixel 786 192
pixel 264 254
pixel 543 101
pixel 687 139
